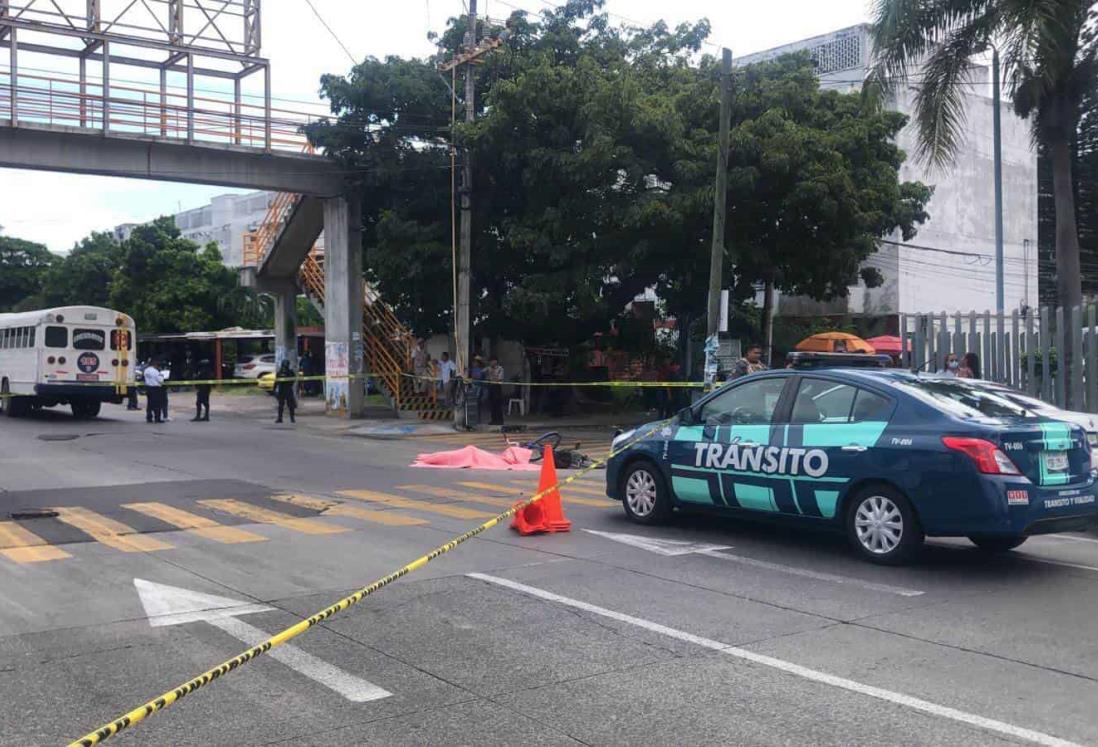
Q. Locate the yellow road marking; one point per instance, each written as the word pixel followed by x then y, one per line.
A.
pixel 467 497
pixel 267 516
pixel 195 524
pixel 397 502
pixel 585 489
pixel 24 546
pixel 108 531
pixel 335 508
pixel 565 494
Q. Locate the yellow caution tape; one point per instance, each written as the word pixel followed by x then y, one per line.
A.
pixel 157 704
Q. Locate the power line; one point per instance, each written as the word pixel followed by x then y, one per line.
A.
pixel 329 29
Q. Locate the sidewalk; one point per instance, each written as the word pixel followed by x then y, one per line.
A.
pixel 380 422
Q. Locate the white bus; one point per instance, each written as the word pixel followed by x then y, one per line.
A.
pixel 81 356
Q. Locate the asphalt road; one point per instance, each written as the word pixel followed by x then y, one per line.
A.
pixel 707 631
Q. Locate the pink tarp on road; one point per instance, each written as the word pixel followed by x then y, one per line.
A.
pixel 470 457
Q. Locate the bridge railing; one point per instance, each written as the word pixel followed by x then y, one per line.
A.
pixel 134 110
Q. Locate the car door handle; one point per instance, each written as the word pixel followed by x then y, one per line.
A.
pixel 854 447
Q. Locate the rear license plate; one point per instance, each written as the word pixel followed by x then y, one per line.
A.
pixel 87 377
pixel 1056 462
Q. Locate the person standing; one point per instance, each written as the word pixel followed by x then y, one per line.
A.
pixel 750 363
pixel 970 367
pixel 284 388
pixel 446 371
pixel 204 372
pixel 165 374
pixel 952 365
pixel 154 389
pixel 420 359
pixel 494 376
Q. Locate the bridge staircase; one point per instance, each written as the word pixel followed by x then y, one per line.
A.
pixel 296 221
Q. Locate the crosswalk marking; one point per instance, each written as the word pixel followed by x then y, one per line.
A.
pixel 335 508
pixel 506 490
pixel 467 497
pixel 23 546
pixel 108 531
pixel 577 487
pixel 195 524
pixel 267 516
pixel 396 501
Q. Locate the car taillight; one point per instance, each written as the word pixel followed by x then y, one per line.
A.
pixel 61 360
pixel 114 361
pixel 51 360
pixel 125 363
pixel 248 366
pixel 988 457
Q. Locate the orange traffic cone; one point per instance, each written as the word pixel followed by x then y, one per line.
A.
pixel 545 514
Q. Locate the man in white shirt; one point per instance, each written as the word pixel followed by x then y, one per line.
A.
pixel 154 392
pixel 446 371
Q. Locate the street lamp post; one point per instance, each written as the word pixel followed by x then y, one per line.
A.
pixel 997 137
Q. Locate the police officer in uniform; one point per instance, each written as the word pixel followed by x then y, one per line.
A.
pixel 204 372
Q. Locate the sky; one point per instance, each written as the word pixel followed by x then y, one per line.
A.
pixel 59 209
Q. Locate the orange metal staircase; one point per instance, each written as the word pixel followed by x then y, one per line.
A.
pixel 387 344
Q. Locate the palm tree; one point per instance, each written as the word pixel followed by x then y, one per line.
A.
pixel 1048 51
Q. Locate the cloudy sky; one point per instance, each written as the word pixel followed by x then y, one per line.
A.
pixel 58 209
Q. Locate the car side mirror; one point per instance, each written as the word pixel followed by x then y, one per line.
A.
pixel 687 416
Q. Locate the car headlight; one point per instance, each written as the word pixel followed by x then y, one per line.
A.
pixel 621 438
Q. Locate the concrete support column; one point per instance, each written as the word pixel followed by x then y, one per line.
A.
pixel 343 389
pixel 285 308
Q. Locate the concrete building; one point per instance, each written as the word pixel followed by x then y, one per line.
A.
pixel 949 265
pixel 224 220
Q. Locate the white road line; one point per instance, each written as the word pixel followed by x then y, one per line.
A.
pixel 817 575
pixel 354 689
pixel 1067 537
pixel 907 701
pixel 1062 563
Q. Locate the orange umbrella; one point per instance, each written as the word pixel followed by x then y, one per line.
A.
pixel 835 342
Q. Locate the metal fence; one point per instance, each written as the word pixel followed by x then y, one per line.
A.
pixel 1020 349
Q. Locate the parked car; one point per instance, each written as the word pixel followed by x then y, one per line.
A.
pixel 885 456
pixel 254 366
pixel 266 382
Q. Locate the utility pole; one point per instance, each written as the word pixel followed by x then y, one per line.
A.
pixel 720 192
pixel 465 250
pixel 468 59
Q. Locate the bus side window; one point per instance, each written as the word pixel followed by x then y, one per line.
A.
pixel 30 338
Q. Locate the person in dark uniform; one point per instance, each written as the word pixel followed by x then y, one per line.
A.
pixel 284 388
pixel 204 372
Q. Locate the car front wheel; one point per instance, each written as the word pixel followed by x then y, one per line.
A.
pixel 882 527
pixel 997 542
pixel 644 494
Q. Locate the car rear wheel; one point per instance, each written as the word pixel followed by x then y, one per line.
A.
pixel 997 542
pixel 882 527
pixel 644 494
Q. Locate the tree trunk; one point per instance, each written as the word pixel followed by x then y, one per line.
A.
pixel 767 321
pixel 1068 278
pixel 1069 290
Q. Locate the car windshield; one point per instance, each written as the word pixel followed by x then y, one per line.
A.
pixel 964 399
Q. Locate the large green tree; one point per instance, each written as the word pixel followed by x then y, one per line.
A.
pixel 23 269
pixel 594 149
pixel 1048 50
pixel 83 276
pixel 170 284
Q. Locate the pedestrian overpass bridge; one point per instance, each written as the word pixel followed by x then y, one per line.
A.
pixel 86 120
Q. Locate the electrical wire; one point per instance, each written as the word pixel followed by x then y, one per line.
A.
pixel 324 23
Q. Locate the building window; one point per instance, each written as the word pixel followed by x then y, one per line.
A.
pixel 844 53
